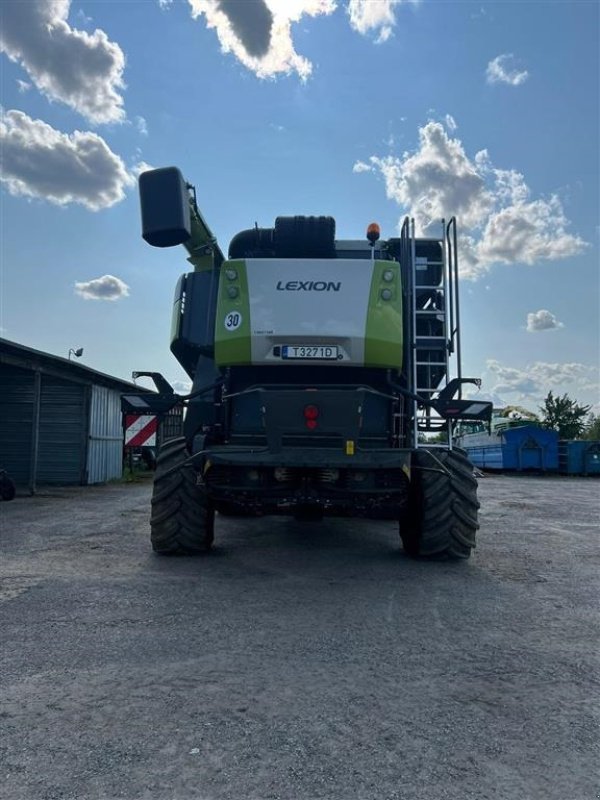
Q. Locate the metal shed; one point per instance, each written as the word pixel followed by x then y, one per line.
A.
pixel 60 421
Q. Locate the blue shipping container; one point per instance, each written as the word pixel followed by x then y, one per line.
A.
pixel 530 447
pixel 527 447
pixel 579 457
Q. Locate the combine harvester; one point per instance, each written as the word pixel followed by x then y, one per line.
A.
pixel 316 365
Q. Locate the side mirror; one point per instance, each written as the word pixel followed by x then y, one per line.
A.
pixel 165 205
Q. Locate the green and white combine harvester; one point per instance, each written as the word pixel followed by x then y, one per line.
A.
pixel 317 366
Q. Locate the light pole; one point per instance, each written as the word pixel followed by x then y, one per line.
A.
pixel 77 353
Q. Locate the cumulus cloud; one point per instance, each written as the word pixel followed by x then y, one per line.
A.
pixel 83 70
pixel 105 288
pixel 499 221
pixel 540 377
pixel 542 320
pixel 374 16
pixel 436 178
pixel 38 161
pixel 503 69
pixel 258 32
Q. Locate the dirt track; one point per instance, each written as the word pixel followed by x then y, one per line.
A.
pixel 300 661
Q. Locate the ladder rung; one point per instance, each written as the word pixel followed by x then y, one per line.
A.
pixel 427 336
pixel 439 313
pixel 430 363
pixel 429 288
pixel 428 263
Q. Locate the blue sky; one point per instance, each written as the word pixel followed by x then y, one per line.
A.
pixel 363 109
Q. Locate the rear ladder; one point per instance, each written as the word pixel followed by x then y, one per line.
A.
pixel 435 331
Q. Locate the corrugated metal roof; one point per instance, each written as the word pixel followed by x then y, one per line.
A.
pixel 26 357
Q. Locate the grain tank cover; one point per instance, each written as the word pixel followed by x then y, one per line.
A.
pixel 165 205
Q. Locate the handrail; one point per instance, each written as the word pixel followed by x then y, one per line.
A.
pixel 452 239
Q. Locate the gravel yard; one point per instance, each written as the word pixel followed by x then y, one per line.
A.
pixel 300 660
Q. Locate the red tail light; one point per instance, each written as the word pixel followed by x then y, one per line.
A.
pixel 310 415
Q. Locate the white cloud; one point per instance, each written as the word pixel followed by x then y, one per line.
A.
pixel 510 380
pixel 141 166
pixel 38 161
pixel 141 125
pixel 360 166
pixel 499 222
pixel 105 288
pixel 83 18
pixel 258 32
pixel 502 69
pixel 165 4
pixel 374 16
pixel 24 86
pixel 542 320
pixel 537 379
pixel 450 123
pixel 437 178
pixel 83 70
pixel 181 387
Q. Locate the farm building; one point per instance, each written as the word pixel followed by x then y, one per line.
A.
pixel 60 421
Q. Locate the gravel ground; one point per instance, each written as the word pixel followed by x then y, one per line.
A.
pixel 300 661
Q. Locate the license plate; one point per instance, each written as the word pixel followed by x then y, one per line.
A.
pixel 317 351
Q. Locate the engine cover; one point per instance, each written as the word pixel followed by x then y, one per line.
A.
pixel 344 312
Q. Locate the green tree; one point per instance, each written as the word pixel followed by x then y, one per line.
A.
pixel 592 428
pixel 564 415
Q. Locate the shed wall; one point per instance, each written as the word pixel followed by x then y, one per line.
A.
pixel 105 441
pixel 16 419
pixel 63 425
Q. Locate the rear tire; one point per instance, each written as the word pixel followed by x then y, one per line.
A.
pixel 441 518
pixel 182 517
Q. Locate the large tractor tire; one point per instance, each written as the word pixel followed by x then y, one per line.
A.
pixel 182 518
pixel 441 517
